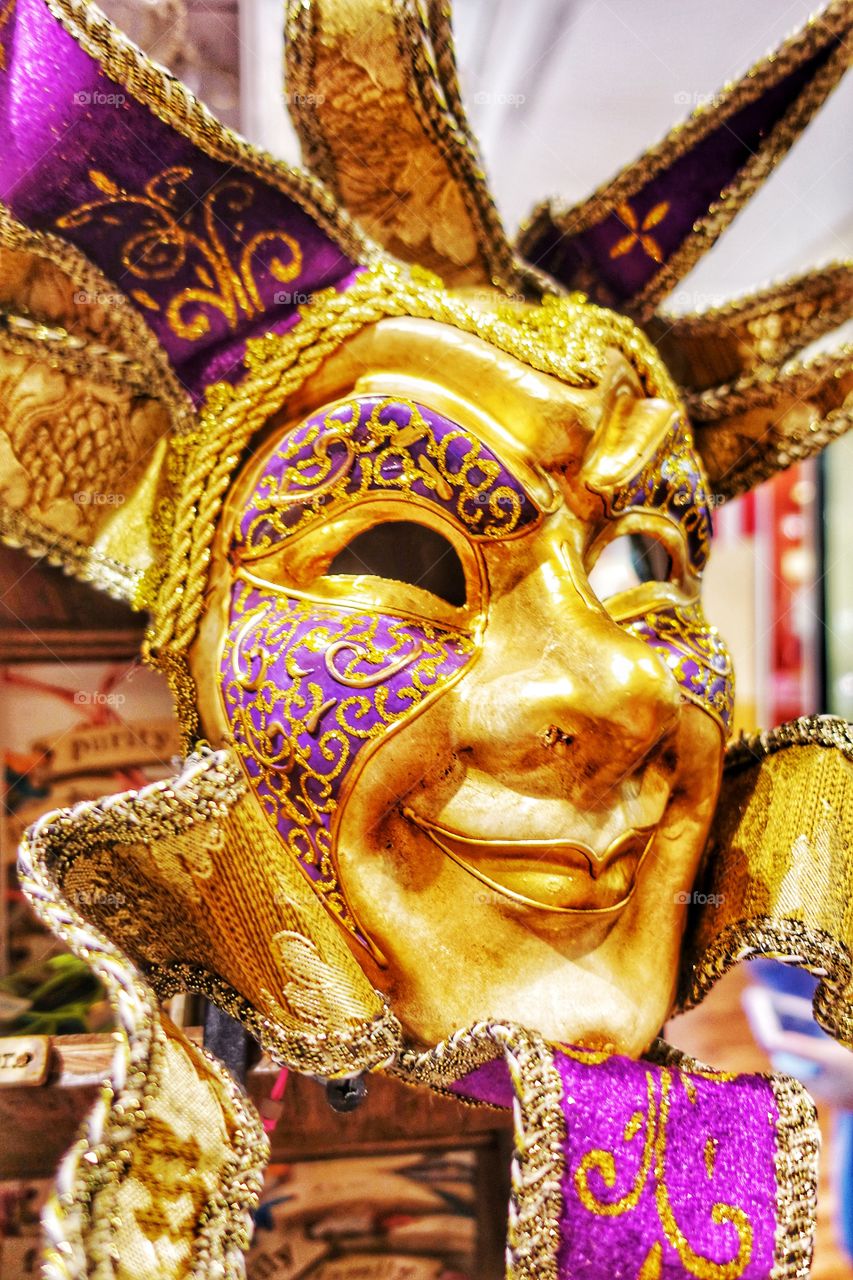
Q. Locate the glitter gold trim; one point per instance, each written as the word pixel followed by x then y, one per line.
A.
pixel 565 338
pixel 536 1200
pixel 192 841
pixel 759 331
pixel 778 863
pixel 551 217
pixel 98 309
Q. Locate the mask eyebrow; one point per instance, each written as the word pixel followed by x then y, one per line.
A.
pixel 632 434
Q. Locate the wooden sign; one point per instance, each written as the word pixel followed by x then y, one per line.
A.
pixel 24 1060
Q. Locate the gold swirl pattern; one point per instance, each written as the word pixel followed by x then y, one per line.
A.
pixel 696 654
pixel 164 242
pixel 372 444
pixel 301 711
pixel 601 1164
pixel 672 482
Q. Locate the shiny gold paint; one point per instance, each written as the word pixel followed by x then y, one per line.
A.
pixel 565 740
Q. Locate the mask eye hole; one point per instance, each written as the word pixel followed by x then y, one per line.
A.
pixel 628 561
pixel 401 551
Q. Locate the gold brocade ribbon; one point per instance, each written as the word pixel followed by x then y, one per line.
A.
pixel 779 866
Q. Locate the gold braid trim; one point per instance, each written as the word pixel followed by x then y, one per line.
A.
pixel 63 552
pixel 565 338
pixel 796 1163
pixel 71 354
pixel 80 1220
pixel 764 422
pixel 536 1200
pixel 755 333
pixel 368 73
pixel 779 862
pixel 174 104
pixel 830 25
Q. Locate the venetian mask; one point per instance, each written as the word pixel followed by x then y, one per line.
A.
pixel 419 519
pixel 455 634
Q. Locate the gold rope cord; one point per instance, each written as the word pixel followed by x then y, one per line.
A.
pixel 536 1201
pixel 564 337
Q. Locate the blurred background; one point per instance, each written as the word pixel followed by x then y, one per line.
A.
pixel 561 94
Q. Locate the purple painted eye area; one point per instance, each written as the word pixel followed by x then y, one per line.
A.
pixel 306 688
pixel 372 446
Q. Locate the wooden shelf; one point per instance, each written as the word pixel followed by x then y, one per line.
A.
pixel 40 1122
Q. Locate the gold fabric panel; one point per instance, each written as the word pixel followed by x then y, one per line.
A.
pixel 371 87
pixel 764 422
pixel 759 331
pixel 779 865
pixel 211 902
pixel 76 435
pixel 168 1164
pixel 179 1166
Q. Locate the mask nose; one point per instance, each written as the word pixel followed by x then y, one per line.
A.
pixel 561 687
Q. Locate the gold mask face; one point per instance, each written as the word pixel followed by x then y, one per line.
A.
pixel 454 634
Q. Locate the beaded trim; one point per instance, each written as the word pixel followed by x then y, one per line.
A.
pixel 58 349
pixel 207 788
pixel 86 563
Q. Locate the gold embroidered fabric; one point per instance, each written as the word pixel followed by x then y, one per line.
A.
pixel 173 1187
pixel 779 864
pixel 208 902
pixel 367 89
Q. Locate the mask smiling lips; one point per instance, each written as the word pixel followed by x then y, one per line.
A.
pixel 468 676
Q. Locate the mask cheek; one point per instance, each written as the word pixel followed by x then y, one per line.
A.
pixel 307 691
pixel 696 655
